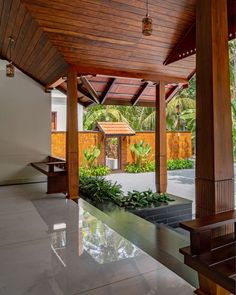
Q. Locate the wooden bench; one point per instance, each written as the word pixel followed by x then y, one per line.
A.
pixel 55 169
pixel 213 258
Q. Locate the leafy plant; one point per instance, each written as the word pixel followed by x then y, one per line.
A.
pixel 98 189
pixel 90 155
pixel 179 164
pixel 99 170
pixel 141 151
pixel 136 199
pixel 146 167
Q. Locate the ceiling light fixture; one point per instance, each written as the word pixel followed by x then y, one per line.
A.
pixel 10 69
pixel 147 23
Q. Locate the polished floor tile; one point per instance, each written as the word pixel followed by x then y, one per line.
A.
pixel 160 282
pixel 56 247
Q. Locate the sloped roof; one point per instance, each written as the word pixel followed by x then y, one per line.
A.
pixel 103 39
pixel 115 128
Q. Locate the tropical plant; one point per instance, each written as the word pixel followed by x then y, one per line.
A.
pixel 141 151
pixel 90 155
pixel 98 189
pixel 136 199
pixel 101 113
pixel 175 164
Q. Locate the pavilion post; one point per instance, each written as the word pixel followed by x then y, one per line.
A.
pixel 214 154
pixel 160 139
pixel 72 135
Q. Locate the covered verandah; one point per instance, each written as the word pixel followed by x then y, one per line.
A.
pixel 80 48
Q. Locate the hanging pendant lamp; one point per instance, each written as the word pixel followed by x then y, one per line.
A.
pixel 10 69
pixel 147 23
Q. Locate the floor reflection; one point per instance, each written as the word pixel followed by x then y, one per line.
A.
pixel 83 253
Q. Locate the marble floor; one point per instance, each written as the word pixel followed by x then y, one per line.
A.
pixel 52 246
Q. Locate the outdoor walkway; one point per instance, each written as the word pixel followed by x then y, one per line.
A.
pixel 180 182
pixel 52 246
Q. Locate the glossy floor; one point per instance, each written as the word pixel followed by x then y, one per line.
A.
pixel 49 245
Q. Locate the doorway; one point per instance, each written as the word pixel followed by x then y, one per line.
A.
pixel 113 153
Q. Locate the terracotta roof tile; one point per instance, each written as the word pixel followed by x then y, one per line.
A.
pixel 115 128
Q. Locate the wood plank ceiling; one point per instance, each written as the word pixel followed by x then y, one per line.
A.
pixel 99 37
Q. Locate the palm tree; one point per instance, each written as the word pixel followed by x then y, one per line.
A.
pixel 101 113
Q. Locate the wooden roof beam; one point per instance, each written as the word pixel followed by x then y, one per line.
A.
pixel 85 93
pixel 173 92
pixel 187 44
pixel 88 86
pixel 54 84
pixel 185 47
pixel 139 94
pixel 108 89
pixel 63 90
pixel 147 76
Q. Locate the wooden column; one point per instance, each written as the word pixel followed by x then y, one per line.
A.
pixel 214 164
pixel 72 135
pixel 160 139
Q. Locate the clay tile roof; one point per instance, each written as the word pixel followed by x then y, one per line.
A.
pixel 115 128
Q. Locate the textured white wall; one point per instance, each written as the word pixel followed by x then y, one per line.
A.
pixel 25 126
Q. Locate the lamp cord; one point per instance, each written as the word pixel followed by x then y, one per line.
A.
pixel 147 8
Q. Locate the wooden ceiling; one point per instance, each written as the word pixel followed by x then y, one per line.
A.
pixel 99 37
pixel 119 91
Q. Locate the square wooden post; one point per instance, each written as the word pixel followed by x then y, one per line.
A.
pixel 214 153
pixel 160 139
pixel 72 136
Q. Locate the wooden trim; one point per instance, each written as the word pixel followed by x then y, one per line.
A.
pixel 109 87
pixel 139 94
pixel 154 77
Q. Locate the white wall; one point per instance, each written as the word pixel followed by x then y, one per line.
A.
pixel 59 106
pixel 25 126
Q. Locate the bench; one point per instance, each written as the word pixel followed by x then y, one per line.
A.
pixel 213 258
pixel 55 169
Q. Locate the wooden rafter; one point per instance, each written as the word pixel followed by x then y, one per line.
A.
pixel 173 92
pixel 108 89
pixel 89 88
pixel 138 95
pixel 85 93
pixel 187 44
pixel 54 84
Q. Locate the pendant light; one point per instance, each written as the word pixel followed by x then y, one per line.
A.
pixel 10 69
pixel 147 23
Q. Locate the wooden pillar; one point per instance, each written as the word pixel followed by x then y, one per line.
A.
pixel 72 135
pixel 160 139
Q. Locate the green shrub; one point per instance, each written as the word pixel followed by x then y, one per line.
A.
pixel 98 189
pixel 99 170
pixel 146 167
pixel 179 164
pixel 136 199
